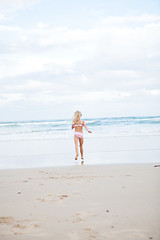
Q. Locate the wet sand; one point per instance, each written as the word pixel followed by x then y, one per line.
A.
pixel 81 202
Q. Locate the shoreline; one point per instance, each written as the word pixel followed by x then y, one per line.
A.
pixel 78 165
pixel 81 202
pixel 96 151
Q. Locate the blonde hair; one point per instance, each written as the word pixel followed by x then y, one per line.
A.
pixel 76 117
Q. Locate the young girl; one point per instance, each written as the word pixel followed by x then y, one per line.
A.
pixel 78 124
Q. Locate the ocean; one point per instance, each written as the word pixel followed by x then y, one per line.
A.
pixel 45 143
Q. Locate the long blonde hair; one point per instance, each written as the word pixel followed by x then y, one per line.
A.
pixel 76 117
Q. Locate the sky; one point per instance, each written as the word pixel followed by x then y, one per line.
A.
pixel 100 57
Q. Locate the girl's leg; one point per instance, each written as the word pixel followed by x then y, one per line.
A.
pixel 76 146
pixel 81 147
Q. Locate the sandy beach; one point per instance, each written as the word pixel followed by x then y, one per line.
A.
pixel 81 202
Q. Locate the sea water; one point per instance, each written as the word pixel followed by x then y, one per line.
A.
pixel 50 142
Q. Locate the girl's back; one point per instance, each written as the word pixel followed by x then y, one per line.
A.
pixel 78 126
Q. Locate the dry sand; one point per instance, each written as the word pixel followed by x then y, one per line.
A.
pixel 120 202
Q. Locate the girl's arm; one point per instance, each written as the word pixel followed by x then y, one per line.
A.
pixel 84 124
pixel 72 126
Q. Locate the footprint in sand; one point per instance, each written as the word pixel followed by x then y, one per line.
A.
pixel 6 220
pixel 52 198
pixel 57 198
pixel 41 199
pixel 18 227
pixel 77 218
pixel 26 227
pixel 92 234
pixel 127 175
pixel 73 236
pixel 63 196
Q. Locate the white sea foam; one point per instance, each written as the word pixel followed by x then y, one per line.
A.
pixel 50 143
pixel 102 127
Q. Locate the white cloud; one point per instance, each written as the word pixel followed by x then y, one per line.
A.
pixel 10 28
pixel 112 62
pixel 105 95
pixel 9 7
pixel 118 20
pixel 6 98
pixel 27 86
pixel 152 92
pixel 109 36
pixel 17 4
pixel 61 36
pixel 19 65
pixel 51 93
pixel 116 46
pixel 2 17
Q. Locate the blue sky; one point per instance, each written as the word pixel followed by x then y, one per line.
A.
pixel 101 57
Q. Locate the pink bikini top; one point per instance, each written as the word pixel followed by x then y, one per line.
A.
pixel 79 125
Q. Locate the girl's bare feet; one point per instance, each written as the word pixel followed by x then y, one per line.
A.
pixel 76 156
pixel 82 161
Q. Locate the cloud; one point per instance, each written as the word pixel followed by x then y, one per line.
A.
pixel 102 34
pixel 21 64
pixel 9 7
pixel 17 4
pixel 28 86
pixel 2 17
pixel 113 62
pixel 6 98
pixel 50 93
pixel 58 49
pixel 64 96
pixel 152 92
pixel 127 19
